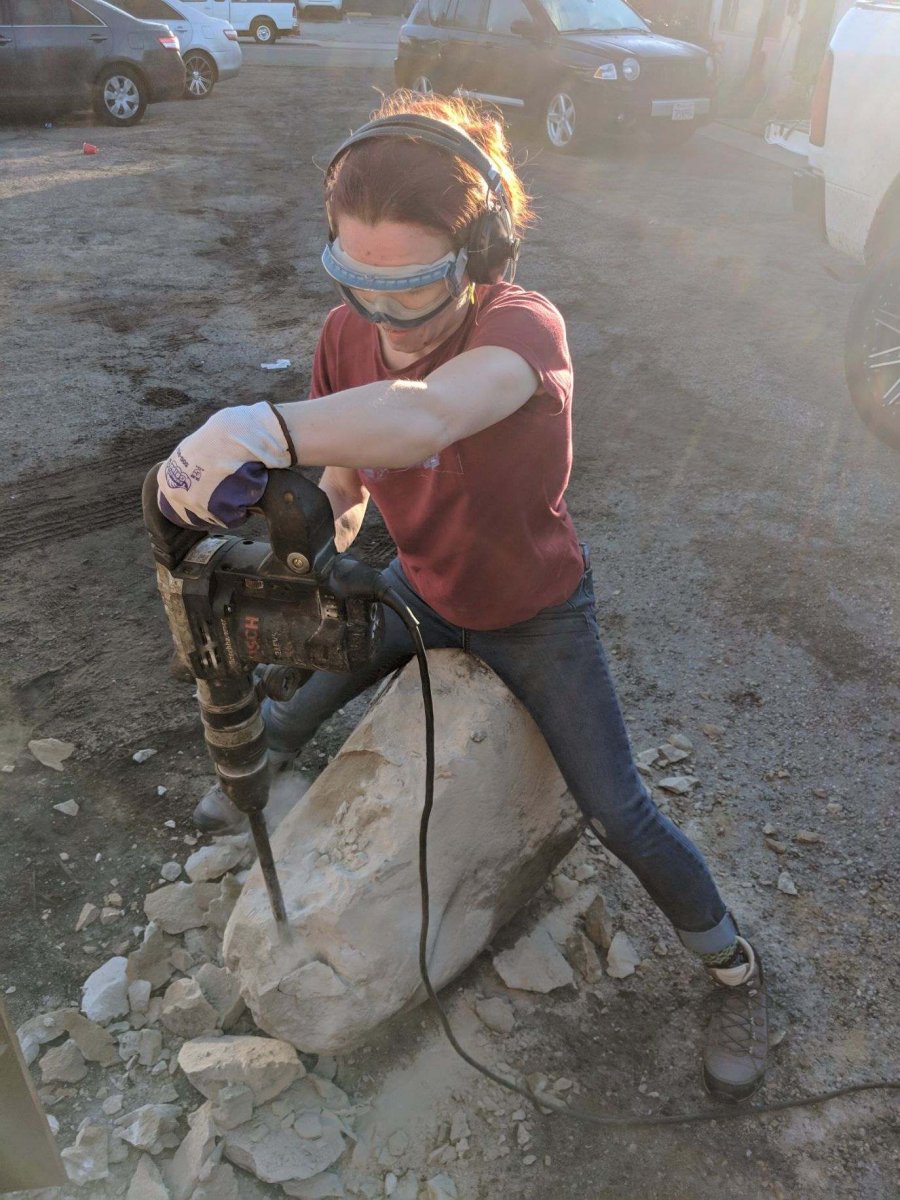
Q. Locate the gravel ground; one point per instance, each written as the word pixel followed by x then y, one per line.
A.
pixel 744 535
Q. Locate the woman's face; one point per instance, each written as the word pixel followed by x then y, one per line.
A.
pixel 391 244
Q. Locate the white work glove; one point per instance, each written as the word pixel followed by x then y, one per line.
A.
pixel 217 473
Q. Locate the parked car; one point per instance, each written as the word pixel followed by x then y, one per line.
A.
pixel 59 55
pixel 333 9
pixel 851 187
pixel 577 67
pixel 209 46
pixel 264 20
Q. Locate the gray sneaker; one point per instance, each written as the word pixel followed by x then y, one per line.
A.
pixel 737 1039
pixel 216 814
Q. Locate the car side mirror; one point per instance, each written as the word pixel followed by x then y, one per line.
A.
pixel 523 27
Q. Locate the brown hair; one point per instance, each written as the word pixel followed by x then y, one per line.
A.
pixel 412 182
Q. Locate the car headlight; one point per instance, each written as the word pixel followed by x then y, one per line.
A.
pixel 606 71
pixel 710 65
pixel 631 68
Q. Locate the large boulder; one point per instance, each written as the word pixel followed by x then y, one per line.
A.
pixel 347 858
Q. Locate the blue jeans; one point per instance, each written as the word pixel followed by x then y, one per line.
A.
pixel 555 664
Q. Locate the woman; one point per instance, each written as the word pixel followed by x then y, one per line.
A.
pixel 445 392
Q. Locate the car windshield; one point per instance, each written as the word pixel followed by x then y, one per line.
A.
pixel 600 16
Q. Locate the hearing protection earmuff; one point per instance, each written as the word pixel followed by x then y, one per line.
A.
pixel 490 241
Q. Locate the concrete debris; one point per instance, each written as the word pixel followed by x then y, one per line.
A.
pixel 582 955
pixel 63 1064
pixel 212 862
pixel 150 1127
pixel 220 1184
pixel 95 1043
pixel 308 1125
pixel 680 785
pixel 265 1065
pixel 222 905
pixel 105 992
pixel 51 752
pixel 68 808
pixel 497 1014
pixel 198 1153
pixel 647 758
pixel 670 754
pixel 276 1155
pixel 440 1187
pixel 233 1106
pixel 564 887
pixel 181 906
pixel 89 913
pixel 40 1030
pixel 807 837
pixel 109 915
pixel 347 853
pixel 326 1066
pixel 398 1143
pixel 597 925
pixel 223 992
pixel 112 1105
pixel 186 1012
pixel 147 1183
pixel 680 742
pixel 88 1160
pixel 621 958
pixel 139 995
pixel 774 845
pixel 170 871
pixel 145 1045
pixel 326 1186
pixel 142 756
pixel 786 884
pixel 534 964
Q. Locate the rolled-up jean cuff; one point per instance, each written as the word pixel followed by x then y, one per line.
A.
pixel 709 941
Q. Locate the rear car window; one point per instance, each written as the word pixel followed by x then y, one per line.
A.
pixel 151 10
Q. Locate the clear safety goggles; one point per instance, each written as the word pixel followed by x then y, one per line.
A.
pixel 403 297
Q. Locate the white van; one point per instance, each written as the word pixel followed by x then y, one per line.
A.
pixel 852 188
pixel 265 20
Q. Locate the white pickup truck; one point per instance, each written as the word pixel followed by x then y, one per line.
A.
pixel 852 186
pixel 264 20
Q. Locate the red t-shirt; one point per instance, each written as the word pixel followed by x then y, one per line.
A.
pixel 482 529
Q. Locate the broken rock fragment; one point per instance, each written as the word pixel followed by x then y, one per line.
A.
pixel 233 1106
pixel 622 959
pixel 147 1183
pixel 153 958
pixel 196 1156
pixel 105 992
pixel 186 1012
pixel 347 857
pixel 150 1127
pixel 212 862
pixel 39 1030
pixel 326 1186
pixel 278 1155
pixel 264 1065
pixel 534 964
pixel 88 1160
pixel 89 913
pixel 597 925
pixel 63 1064
pixel 94 1042
pixel 220 1184
pixel 222 991
pixel 497 1014
pixel 51 752
pixel 180 906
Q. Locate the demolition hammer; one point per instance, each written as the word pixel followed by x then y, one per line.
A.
pixel 251 619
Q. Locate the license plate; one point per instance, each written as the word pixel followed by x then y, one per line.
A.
pixel 683 110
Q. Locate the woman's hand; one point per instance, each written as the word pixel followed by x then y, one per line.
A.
pixel 214 475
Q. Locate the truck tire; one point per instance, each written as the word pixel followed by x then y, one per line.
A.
pixel 264 31
pixel 872 351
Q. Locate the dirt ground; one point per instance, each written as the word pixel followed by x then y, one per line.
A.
pixel 745 540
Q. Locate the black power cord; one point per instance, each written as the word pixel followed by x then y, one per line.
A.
pixel 542 1100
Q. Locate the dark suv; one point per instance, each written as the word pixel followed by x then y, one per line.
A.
pixel 578 67
pixel 57 55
